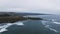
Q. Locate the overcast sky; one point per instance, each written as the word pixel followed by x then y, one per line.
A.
pixel 39 6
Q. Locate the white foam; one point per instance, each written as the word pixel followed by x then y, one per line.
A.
pixel 53 21
pixel 19 23
pixel 47 26
pixel 3 28
pixel 56 22
pixel 53 29
pixel 44 22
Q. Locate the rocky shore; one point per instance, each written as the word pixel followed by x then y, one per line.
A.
pixel 6 18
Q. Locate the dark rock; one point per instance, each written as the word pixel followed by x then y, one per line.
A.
pixel 13 19
pixel 7 18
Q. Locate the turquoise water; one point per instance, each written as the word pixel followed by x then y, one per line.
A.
pixel 50 25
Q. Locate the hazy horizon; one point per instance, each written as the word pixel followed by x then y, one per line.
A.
pixel 35 6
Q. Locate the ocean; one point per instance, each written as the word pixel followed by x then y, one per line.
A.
pixel 49 25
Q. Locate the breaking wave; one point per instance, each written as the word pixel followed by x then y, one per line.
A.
pixel 55 22
pixel 48 26
pixel 3 26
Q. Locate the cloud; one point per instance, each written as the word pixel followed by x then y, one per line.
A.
pixel 47 6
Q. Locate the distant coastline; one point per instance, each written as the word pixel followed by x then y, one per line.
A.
pixel 11 17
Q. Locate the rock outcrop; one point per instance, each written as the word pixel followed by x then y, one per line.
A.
pixel 7 18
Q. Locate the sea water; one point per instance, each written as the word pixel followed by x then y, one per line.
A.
pixel 49 25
